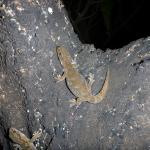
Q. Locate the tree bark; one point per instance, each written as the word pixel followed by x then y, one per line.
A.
pixel 31 99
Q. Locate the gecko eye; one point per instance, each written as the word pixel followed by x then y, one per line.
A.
pixel 59 53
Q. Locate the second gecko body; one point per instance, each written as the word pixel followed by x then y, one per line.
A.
pixel 25 143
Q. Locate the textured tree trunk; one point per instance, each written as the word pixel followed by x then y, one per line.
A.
pixel 31 100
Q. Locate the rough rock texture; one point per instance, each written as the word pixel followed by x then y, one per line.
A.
pixel 31 100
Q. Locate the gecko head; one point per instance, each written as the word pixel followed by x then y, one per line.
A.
pixel 63 55
pixel 13 133
pixel 61 52
pixel 13 130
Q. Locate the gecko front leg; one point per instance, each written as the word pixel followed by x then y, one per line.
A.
pixel 21 139
pixel 36 135
pixel 60 78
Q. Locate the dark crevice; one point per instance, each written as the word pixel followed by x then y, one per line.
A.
pixel 109 23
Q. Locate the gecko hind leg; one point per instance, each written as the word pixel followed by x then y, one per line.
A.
pixel 90 83
pixel 74 102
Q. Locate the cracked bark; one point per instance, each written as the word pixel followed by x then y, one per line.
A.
pixel 30 98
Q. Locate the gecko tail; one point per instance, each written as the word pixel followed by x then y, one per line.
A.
pixel 102 93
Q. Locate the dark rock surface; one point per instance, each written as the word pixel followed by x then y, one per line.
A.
pixel 31 100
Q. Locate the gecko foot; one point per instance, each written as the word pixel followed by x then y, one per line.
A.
pixel 36 135
pixel 74 102
pixel 60 77
pixel 17 147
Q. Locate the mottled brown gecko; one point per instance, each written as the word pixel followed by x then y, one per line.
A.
pixel 24 142
pixel 76 82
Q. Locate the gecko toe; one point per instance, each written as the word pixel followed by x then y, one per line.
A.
pixel 72 102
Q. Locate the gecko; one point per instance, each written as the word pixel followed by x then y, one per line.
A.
pixel 25 143
pixel 76 82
